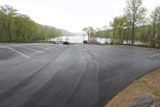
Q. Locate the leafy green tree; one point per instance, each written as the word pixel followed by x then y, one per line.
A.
pixel 145 34
pixel 118 25
pixel 135 13
pixel 155 19
pixel 16 27
pixel 114 29
pixel 10 12
pixel 88 30
pixel 3 26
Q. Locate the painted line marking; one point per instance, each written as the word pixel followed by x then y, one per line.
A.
pixel 32 49
pixel 23 46
pixel 154 55
pixel 18 52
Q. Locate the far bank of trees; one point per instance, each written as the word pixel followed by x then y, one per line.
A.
pixel 16 27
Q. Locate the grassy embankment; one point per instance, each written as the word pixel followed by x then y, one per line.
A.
pixel 150 83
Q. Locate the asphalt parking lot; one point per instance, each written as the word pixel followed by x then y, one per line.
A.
pixel 47 75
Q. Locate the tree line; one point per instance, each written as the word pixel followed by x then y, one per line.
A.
pixel 16 27
pixel 132 27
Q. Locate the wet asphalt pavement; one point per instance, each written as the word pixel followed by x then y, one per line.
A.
pixel 47 75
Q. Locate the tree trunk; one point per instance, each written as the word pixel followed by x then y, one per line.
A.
pixel 119 36
pixel 88 37
pixel 154 29
pixel 154 34
pixel 128 35
pixel 23 37
pixel 29 34
pixel 113 36
pixel 133 28
pixel 9 32
pixel 18 34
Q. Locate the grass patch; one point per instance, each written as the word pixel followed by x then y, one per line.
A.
pixel 150 83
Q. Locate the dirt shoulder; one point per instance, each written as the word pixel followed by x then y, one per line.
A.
pixel 143 46
pixel 150 83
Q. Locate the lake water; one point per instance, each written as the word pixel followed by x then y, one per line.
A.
pixel 79 39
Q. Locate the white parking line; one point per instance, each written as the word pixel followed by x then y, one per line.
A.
pixel 23 46
pixel 154 55
pixel 18 52
pixel 32 49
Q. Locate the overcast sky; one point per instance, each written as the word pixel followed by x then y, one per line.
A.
pixel 73 15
